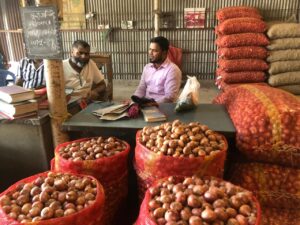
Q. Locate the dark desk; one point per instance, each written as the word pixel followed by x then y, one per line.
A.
pixel 25 147
pixel 212 115
pixel 84 124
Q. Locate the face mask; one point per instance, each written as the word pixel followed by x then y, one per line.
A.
pixel 78 62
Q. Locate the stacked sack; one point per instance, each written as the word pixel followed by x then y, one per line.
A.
pixel 284 56
pixel 106 159
pixel 177 149
pixel 241 46
pixel 267 121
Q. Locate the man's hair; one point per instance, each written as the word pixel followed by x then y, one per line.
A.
pixel 162 42
pixel 82 43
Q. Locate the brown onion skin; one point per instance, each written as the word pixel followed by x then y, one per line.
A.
pixel 220 203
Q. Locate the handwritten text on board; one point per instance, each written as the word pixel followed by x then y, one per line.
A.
pixel 41 32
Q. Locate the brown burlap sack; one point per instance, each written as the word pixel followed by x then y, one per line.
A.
pixel 284 66
pixel 294 89
pixel 284 79
pixel 284 30
pixel 284 55
pixel 284 43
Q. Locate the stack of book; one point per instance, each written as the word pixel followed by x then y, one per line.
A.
pixel 17 102
pixel 40 95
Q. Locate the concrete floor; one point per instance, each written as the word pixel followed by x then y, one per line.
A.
pixel 123 89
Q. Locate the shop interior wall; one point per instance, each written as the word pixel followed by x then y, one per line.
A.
pixel 128 47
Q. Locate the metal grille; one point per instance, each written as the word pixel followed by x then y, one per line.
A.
pixel 129 47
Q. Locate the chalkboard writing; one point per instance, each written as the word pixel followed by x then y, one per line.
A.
pixel 41 32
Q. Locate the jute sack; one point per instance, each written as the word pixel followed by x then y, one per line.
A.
pixel 284 43
pixel 284 66
pixel 283 55
pixel 294 89
pixel 284 79
pixel 284 30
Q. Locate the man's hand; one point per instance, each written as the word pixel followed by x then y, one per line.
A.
pixel 19 82
pixel 98 91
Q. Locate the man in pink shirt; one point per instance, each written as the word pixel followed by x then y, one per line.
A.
pixel 161 78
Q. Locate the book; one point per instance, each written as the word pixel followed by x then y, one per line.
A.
pixel 12 94
pixel 4 116
pixel 153 114
pixel 16 109
pixel 194 17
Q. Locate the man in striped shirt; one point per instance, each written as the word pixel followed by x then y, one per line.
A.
pixel 30 73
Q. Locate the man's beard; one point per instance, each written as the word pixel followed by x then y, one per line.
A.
pixel 79 63
pixel 160 60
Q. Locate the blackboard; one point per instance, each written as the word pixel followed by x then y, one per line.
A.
pixel 41 32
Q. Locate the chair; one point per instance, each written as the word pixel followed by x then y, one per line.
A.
pixel 101 60
pixel 4 77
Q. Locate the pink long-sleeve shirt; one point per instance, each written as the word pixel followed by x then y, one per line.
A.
pixel 161 84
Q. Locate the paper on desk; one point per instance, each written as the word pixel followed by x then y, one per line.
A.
pixel 113 112
pixel 113 116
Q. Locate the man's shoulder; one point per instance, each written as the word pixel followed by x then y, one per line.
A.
pixel 25 60
pixel 66 64
pixel 173 66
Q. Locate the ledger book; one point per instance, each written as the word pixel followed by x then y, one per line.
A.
pixel 14 93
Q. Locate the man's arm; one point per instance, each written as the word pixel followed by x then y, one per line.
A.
pixel 19 81
pixel 19 75
pixel 171 86
pixel 98 91
pixel 141 89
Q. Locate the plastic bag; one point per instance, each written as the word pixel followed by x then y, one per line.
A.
pixel 190 95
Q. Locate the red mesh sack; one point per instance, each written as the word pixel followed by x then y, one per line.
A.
pixel 242 77
pixel 151 166
pixel 244 39
pixel 241 25
pixel 237 65
pixel 267 121
pixel 274 186
pixel 145 218
pixel 274 216
pixel 225 87
pixel 91 215
pixel 116 193
pixel 111 171
pixel 105 169
pixel 237 11
pixel 245 52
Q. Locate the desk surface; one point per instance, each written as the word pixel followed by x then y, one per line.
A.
pixel 213 115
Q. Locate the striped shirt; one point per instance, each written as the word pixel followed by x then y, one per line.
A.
pixel 31 76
